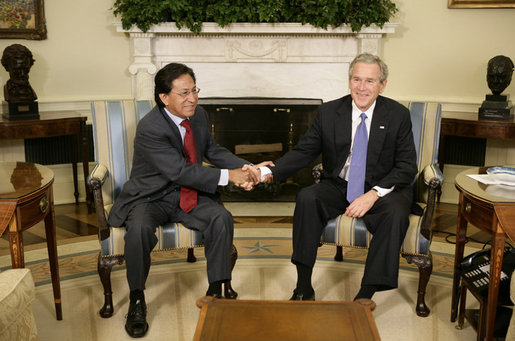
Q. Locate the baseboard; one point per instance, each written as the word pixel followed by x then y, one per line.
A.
pixel 449 192
pixel 63 183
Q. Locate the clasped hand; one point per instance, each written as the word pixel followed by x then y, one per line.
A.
pixel 247 176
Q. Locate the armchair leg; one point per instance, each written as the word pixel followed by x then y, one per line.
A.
pixel 105 265
pixel 339 254
pixel 425 267
pixel 228 290
pixel 191 256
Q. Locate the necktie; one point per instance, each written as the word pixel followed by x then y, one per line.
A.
pixel 188 195
pixel 356 180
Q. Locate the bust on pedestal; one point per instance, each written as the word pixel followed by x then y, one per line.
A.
pixel 497 106
pixel 20 98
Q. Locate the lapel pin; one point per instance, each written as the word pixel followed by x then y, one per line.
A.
pixel 381 127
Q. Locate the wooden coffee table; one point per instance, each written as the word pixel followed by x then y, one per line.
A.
pixel 251 320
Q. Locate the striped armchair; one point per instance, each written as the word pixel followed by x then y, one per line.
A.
pixel 351 232
pixel 114 128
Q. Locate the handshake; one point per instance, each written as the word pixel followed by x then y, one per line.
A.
pixel 249 176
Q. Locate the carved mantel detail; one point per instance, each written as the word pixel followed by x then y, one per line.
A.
pixel 256 50
pixel 268 60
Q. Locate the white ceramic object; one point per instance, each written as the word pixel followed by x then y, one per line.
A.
pixel 503 175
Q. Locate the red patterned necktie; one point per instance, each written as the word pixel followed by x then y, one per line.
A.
pixel 188 195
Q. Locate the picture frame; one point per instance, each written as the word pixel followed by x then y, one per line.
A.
pixel 481 4
pixel 22 19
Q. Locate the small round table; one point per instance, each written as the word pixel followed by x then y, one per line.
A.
pixel 490 208
pixel 26 198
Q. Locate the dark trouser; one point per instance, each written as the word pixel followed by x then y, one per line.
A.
pixel 387 220
pixel 209 217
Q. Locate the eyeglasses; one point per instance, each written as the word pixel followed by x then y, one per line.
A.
pixel 186 93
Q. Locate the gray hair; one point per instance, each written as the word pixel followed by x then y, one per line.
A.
pixel 368 58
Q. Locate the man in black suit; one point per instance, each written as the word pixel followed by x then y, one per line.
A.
pixel 167 169
pixel 385 195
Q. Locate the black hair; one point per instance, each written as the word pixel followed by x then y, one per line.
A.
pixel 165 77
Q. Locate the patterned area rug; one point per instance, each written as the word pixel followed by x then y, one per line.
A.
pixel 263 271
pixel 80 259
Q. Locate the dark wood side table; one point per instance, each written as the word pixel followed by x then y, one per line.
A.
pixel 55 124
pixel 453 125
pixel 494 214
pixel 26 198
pixel 252 320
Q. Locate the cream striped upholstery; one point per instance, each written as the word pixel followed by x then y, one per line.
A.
pixel 114 128
pixel 345 231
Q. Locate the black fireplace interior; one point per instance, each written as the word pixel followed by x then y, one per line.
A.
pixel 260 129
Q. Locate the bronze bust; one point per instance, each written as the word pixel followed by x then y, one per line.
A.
pixel 498 77
pixel 499 72
pixel 17 60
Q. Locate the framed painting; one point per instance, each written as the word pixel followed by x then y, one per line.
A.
pixel 481 4
pixel 22 19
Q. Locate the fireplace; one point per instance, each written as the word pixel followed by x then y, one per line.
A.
pixel 258 66
pixel 259 129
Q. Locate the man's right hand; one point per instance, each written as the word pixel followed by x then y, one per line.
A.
pixel 241 177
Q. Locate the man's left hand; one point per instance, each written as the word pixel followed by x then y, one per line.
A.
pixel 361 204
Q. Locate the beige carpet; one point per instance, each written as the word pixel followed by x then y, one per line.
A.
pixel 263 271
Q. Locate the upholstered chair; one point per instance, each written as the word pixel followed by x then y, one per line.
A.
pixel 351 232
pixel 17 292
pixel 114 127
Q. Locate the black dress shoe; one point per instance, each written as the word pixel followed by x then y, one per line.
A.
pixel 136 324
pixel 217 296
pixel 302 297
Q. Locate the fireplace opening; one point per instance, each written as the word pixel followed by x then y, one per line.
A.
pixel 261 129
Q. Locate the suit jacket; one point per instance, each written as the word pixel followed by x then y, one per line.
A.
pixel 159 166
pixel 391 155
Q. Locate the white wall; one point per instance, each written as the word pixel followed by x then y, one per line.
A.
pixel 436 53
pixel 83 57
pixel 441 54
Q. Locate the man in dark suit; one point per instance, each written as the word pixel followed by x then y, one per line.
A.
pixel 169 183
pixel 384 194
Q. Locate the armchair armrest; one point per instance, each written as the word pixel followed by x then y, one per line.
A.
pixel 431 174
pixel 96 180
pixel 433 178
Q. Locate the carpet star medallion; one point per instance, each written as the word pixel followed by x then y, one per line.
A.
pixel 260 247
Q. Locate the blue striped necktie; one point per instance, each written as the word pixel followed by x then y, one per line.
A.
pixel 358 163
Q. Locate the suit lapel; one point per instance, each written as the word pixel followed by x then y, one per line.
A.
pixel 176 135
pixel 342 134
pixel 378 129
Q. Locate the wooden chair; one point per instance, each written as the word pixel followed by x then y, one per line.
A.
pixel 114 127
pixel 351 232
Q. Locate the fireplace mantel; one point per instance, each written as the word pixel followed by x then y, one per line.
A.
pixel 245 59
